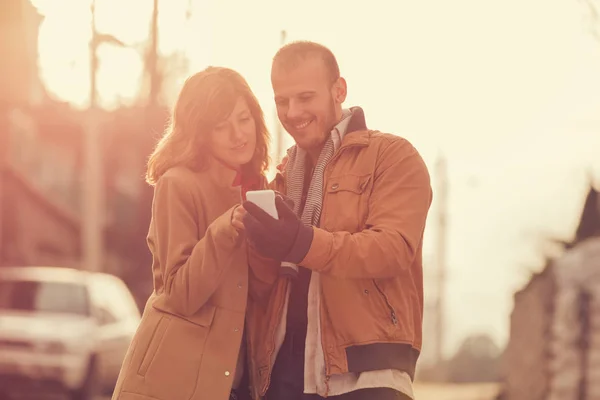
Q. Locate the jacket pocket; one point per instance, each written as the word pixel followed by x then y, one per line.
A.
pixel 347 196
pixel 203 317
pixel 393 317
pixel 173 371
pixel 348 183
pixel 155 340
pixel 168 356
pixel 132 396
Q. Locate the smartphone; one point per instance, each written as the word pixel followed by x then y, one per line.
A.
pixel 265 199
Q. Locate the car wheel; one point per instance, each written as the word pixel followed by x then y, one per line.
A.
pixel 91 384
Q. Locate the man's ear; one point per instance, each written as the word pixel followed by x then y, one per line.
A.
pixel 339 90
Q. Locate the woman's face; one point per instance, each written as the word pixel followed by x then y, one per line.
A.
pixel 233 140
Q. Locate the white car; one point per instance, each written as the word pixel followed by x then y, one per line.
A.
pixel 63 329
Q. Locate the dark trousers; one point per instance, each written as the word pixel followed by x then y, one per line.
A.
pixel 287 379
pixel 242 392
pixel 281 392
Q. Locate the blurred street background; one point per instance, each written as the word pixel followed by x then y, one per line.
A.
pixel 502 99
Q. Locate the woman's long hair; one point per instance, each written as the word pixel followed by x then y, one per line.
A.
pixel 207 98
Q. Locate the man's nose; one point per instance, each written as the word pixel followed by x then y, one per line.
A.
pixel 294 110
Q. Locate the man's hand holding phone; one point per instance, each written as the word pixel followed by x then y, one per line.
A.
pixel 283 237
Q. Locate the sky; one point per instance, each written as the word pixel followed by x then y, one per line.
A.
pixel 508 91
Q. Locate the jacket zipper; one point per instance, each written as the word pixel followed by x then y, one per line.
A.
pixel 393 316
pixel 325 354
pixel 327 170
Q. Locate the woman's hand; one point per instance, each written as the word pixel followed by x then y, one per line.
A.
pixel 237 219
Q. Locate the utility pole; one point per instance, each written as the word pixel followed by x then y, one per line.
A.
pixel 278 127
pixel 3 166
pixel 93 57
pixel 441 194
pixel 152 59
pixel 92 196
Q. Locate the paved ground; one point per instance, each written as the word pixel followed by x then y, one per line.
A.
pixel 456 392
pixel 422 391
pixel 448 392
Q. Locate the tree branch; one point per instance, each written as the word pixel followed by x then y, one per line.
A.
pixel 593 10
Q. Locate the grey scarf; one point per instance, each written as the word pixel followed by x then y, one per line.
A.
pixel 295 170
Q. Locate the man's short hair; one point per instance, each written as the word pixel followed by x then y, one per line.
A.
pixel 292 54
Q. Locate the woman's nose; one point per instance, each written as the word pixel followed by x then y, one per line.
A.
pixel 236 133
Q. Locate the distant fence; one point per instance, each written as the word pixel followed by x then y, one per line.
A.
pixel 554 347
pixel 528 351
pixel 575 364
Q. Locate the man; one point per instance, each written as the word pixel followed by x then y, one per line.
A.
pixel 344 319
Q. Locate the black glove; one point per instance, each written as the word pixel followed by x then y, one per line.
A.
pixel 283 239
pixel 289 202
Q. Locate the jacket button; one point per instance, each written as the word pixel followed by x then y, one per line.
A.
pixel 335 186
pixel 227 373
pixel 236 329
pixel 239 285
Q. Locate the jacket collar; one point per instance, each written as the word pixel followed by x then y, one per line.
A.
pixel 356 132
pixel 357 120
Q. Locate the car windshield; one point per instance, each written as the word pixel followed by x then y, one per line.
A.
pixel 50 297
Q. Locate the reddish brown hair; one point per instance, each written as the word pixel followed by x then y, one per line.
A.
pixel 207 98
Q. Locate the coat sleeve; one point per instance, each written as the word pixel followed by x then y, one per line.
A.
pixel 192 256
pixel 398 207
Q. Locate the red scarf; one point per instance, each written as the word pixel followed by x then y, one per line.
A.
pixel 245 180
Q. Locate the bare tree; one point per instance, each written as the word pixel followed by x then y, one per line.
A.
pixel 593 16
pixel 161 70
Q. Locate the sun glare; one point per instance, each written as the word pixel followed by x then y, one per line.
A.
pixel 64 52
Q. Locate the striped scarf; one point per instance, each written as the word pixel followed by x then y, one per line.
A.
pixel 295 170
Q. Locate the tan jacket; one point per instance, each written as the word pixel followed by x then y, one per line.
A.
pixel 366 291
pixel 187 344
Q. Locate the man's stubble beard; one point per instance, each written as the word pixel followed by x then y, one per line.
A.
pixel 324 135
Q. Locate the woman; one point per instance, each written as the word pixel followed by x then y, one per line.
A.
pixel 189 343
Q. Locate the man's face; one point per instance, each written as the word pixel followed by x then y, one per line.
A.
pixel 308 103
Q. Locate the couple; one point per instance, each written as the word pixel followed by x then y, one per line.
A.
pixel 326 301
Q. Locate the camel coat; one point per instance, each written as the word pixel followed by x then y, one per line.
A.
pixel 187 344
